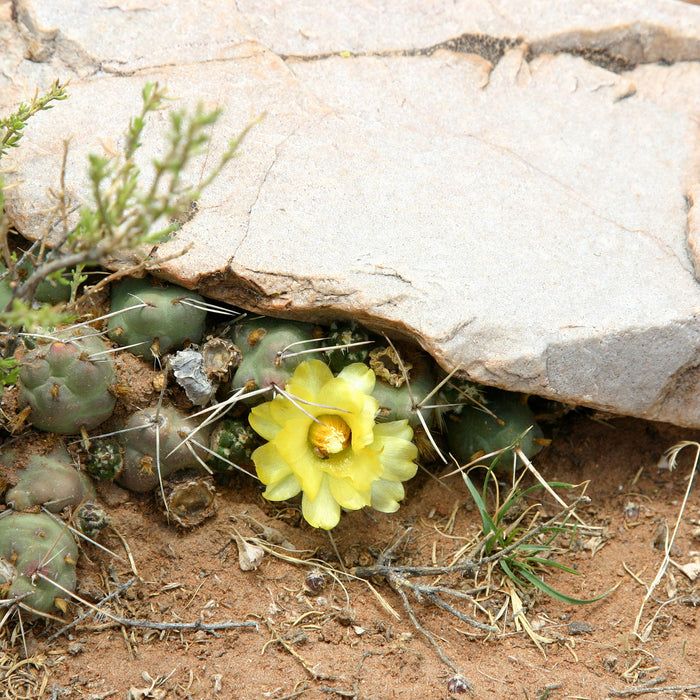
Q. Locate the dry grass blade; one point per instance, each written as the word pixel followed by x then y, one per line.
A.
pixel 672 457
pixel 531 468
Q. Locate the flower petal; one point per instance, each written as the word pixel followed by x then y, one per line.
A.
pixel 308 379
pixel 283 410
pixel 386 495
pixel 284 489
pixel 323 511
pixel 269 464
pixel 356 409
pixel 347 495
pixel 262 422
pixel 360 376
pixel 359 468
pixel 294 447
pixel 395 428
pixel 396 456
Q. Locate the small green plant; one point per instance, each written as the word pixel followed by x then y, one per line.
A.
pixel 50 480
pixel 399 384
pixel 518 540
pixel 104 458
pixel 11 132
pixel 350 343
pixel 272 349
pixel 233 442
pixel 157 442
pixel 504 419
pixel 126 214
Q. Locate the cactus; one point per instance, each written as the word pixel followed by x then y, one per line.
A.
pixel 36 543
pixel 65 388
pixel 166 323
pixel 235 441
pixel 91 519
pixel 148 439
pixel 104 459
pixel 473 431
pixel 398 398
pixel 52 481
pixel 263 342
pixel 48 291
pixel 346 333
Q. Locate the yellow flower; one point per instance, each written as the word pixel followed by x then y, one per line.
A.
pixel 326 445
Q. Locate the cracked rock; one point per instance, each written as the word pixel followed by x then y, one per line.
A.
pixel 513 188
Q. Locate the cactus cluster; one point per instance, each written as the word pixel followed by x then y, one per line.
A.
pixel 342 429
pixel 66 382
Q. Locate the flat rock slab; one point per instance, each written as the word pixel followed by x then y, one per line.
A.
pixel 510 184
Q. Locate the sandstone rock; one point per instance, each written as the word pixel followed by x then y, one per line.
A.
pixel 511 187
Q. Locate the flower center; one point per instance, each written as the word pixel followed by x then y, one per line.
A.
pixel 329 436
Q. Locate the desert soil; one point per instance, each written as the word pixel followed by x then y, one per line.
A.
pixel 319 633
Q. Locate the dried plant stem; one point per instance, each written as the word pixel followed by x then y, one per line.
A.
pixel 672 456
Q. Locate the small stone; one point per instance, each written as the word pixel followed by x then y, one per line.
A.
pixel 188 368
pixel 459 685
pixel 575 627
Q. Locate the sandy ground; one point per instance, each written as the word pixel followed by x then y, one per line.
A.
pixel 316 631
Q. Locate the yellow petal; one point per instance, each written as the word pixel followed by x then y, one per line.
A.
pixel 283 410
pixel 359 468
pixel 284 489
pixel 386 495
pixel 362 424
pixel 395 428
pixel 347 495
pixel 341 396
pixel 262 422
pixel 396 456
pixel 323 511
pixel 360 376
pixel 269 464
pixel 308 379
pixel 295 449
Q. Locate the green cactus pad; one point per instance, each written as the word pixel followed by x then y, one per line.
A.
pixel 473 431
pixel 397 399
pixel 52 481
pixel 262 342
pixel 65 388
pixel 150 437
pixel 166 323
pixel 32 543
